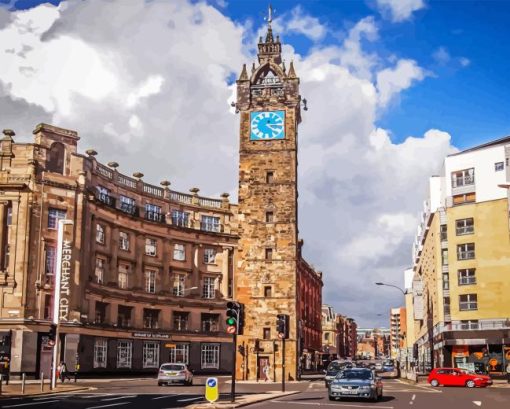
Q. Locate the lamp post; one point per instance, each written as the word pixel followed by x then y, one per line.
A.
pixel 404 294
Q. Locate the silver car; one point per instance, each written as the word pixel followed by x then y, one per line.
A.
pixel 174 373
pixel 356 383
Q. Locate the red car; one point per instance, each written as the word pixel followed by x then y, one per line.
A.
pixel 457 377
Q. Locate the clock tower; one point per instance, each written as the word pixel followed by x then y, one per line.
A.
pixel 266 282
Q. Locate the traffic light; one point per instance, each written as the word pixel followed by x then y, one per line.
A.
pixel 235 317
pixel 52 335
pixel 282 326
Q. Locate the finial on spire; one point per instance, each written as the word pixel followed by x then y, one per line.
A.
pixel 244 74
pixel 269 19
pixel 270 15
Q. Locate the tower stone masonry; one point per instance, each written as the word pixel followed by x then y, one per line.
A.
pixel 266 282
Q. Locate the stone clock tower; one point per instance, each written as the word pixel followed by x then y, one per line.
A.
pixel 268 101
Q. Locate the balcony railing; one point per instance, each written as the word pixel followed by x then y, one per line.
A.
pixel 182 222
pixel 213 227
pixel 466 255
pixel 467 280
pixel 465 230
pixel 106 199
pixel 129 209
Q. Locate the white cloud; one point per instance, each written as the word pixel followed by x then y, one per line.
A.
pixel 391 81
pixel 305 24
pixel 148 86
pixel 464 61
pixel 400 10
pixel 441 55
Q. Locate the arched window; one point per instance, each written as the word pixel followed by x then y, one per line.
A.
pixel 56 156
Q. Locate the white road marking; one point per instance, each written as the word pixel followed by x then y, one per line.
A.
pixel 477 402
pixel 29 404
pixel 164 396
pixel 119 397
pixel 341 404
pixel 189 399
pixel 107 406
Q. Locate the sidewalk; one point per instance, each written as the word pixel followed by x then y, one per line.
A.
pixel 243 400
pixel 31 389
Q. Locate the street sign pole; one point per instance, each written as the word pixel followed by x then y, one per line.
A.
pixel 234 356
pixel 283 364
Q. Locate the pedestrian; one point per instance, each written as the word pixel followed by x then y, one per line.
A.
pixel 63 372
pixel 508 372
pixel 76 370
pixel 266 370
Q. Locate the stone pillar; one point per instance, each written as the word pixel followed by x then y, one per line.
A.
pixel 165 271
pixel 139 249
pixel 195 272
pixel 113 268
pixel 224 272
pixel 113 312
pixel 137 316
pixel 165 319
pixel 3 232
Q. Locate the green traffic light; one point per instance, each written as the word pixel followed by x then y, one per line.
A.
pixel 231 321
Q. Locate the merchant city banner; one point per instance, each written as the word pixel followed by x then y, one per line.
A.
pixel 63 288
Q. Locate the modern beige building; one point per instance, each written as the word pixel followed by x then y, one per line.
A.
pixel 460 288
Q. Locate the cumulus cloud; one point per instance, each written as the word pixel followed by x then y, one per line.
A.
pixel 399 10
pixel 149 83
pixel 304 24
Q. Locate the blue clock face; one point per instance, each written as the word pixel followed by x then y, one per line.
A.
pixel 267 125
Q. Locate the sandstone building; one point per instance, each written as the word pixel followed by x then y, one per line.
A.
pixel 152 267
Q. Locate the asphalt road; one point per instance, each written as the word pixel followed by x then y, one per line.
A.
pixel 147 395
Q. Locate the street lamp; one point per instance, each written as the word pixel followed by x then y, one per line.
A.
pixel 394 286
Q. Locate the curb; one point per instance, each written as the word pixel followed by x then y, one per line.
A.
pixel 230 405
pixel 53 392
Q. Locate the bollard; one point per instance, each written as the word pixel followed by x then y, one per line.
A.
pixel 1 379
pixel 42 381
pixel 23 383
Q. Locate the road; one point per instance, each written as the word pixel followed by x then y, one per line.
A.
pixel 147 395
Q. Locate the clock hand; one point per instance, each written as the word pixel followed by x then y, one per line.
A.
pixel 273 126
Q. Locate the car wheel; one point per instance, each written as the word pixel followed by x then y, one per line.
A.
pixel 434 383
pixel 332 397
pixel 160 383
pixel 470 384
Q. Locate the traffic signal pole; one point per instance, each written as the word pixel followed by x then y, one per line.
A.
pixel 283 364
pixel 234 356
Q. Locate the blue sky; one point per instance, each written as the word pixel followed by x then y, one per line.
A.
pixel 469 102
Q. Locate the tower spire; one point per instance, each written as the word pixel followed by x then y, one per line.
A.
pixel 269 35
pixel 269 50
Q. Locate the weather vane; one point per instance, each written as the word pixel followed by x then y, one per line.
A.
pixel 269 17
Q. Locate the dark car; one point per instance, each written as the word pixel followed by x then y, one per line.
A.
pixel 333 368
pixel 356 383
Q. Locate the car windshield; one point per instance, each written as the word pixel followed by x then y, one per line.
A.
pixel 334 366
pixel 363 375
pixel 172 367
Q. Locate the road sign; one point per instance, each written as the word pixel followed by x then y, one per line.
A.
pixel 211 390
pixel 170 345
pixel 281 335
pixel 51 343
pixel 231 329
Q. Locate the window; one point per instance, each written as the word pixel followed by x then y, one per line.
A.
pixel 210 356
pixel 180 218
pixel 209 322
pixel 123 241
pixel 181 321
pixel 269 217
pixel 153 212
pixel 124 316
pixel 269 177
pixel 463 177
pixel 266 334
pixel 210 223
pixel 446 302
pixel 103 194
pixel 443 230
pixel 151 247
pixel 150 318
pixel 464 226
pixel 468 302
pixel 467 276
pixel 55 158
pixel 326 336
pixel 462 199
pixel 469 324
pixel 100 312
pixel 150 281
pixel 179 253
pixel 466 251
pixel 269 254
pixel 51 260
pixel 209 256
pixel 99 234
pixel 208 289
pixel 179 354
pixel 127 204
pixel 54 215
pixel 150 354
pixel 499 166
pixel 99 270
pixel 124 353
pixel 267 291
pixel 123 276
pixel 446 281
pixel 100 352
pixel 179 284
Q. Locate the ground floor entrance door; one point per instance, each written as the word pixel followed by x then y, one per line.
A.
pixel 264 368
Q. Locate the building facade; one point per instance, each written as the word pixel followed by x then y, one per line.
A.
pixel 329 331
pixel 151 268
pixel 347 336
pixel 398 328
pixel 460 286
pixel 268 279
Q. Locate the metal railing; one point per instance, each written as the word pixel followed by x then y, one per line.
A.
pixel 155 216
pixel 130 209
pixel 465 230
pixel 466 255
pixel 106 199
pixel 212 227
